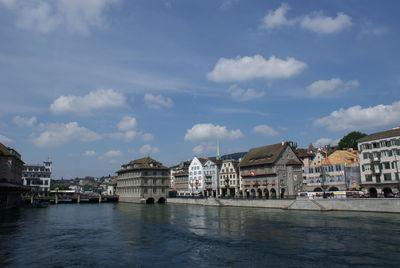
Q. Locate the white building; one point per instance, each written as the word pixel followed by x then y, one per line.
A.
pixel 211 174
pixel 197 184
pixel 229 179
pixel 379 163
pixel 38 177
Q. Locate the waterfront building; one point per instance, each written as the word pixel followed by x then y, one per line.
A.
pixel 229 179
pixel 379 162
pixel 143 180
pixel 179 177
pixel 338 171
pixel 38 177
pixel 211 177
pixel 11 188
pixel 306 156
pixel 196 182
pixel 272 171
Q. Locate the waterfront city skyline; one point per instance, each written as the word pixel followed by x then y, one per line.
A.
pixel 93 85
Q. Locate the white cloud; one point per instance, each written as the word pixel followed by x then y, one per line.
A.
pixel 5 140
pixel 247 68
pixel 157 101
pixel 244 94
pixel 59 134
pixel 112 153
pixel 95 100
pixel 147 137
pixel 325 141
pixel 204 148
pixel 359 118
pixel 265 130
pixel 24 122
pixel 90 153
pixel 277 18
pixel 148 149
pixel 204 132
pixel 127 123
pixel 128 135
pixel 314 21
pixel 45 16
pixel 368 28
pixel 336 85
pixel 319 23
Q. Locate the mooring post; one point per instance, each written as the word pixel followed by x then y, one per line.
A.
pixel 31 199
pixel 79 199
pixel 100 198
pixel 56 199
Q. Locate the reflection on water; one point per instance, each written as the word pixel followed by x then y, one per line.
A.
pixel 93 235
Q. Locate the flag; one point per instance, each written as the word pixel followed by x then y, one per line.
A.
pixel 252 173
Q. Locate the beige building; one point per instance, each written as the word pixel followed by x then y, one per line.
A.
pixel 272 171
pixel 229 179
pixel 337 172
pixel 179 179
pixel 379 163
pixel 143 181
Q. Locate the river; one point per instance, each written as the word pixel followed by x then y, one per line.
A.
pixel 172 235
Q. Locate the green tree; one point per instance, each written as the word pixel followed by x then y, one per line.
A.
pixel 350 140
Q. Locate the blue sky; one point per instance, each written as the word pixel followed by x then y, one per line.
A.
pixel 95 84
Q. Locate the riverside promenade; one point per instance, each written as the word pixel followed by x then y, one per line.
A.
pixel 388 205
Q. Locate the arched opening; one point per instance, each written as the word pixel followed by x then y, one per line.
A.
pixel 247 193
pixel 161 200
pixel 259 193
pixel 387 192
pixel 333 189
pixel 282 193
pixel 266 193
pixel 318 190
pixel 150 200
pixel 273 193
pixel 253 193
pixel 373 193
pixel 232 192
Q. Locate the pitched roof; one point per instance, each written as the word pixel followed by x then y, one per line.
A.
pixel 303 153
pixel 263 155
pixel 381 135
pixel 340 157
pixel 293 162
pixel 142 163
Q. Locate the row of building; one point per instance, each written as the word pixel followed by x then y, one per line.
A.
pixel 274 171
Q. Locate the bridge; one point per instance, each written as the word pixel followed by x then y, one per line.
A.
pixel 70 196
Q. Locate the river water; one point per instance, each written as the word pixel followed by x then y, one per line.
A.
pixel 132 235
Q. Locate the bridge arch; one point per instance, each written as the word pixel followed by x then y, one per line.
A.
pixel 161 200
pixel 150 200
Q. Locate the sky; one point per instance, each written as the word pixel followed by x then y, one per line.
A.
pixel 95 84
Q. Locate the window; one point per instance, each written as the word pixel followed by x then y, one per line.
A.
pixel 387 176
pixel 154 190
pixel 368 178
pixel 386 165
pixel 338 167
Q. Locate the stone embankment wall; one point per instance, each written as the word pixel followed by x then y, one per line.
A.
pixel 367 204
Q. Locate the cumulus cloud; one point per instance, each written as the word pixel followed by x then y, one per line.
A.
pixel 148 149
pixel 325 141
pixel 157 101
pixel 46 16
pixel 265 130
pixel 322 87
pixel 204 148
pixel 247 68
pixel 128 135
pixel 24 121
pixel 127 123
pixel 112 153
pixel 90 153
pixel 240 94
pixel 95 100
pixel 204 132
pixel 277 18
pixel 58 134
pixel 5 140
pixel 319 23
pixel 359 118
pixel 315 21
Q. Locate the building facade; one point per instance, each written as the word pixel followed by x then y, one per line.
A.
pixel 211 176
pixel 272 171
pixel 379 163
pixel 197 184
pixel 337 172
pixel 11 187
pixel 229 179
pixel 38 178
pixel 179 176
pixel 143 181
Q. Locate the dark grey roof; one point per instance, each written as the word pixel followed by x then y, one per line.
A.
pixel 381 135
pixel 263 155
pixel 142 163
